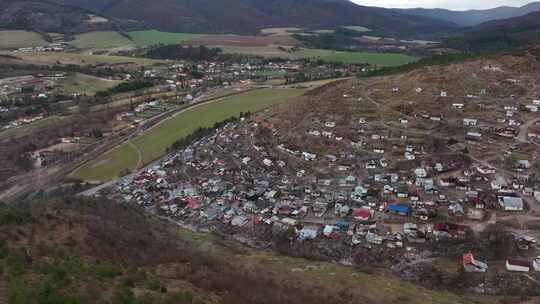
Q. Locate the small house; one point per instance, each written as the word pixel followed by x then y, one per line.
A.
pixel 470 264
pixel 518 265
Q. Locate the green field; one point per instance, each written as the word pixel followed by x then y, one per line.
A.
pixel 380 59
pixel 81 59
pixel 31 126
pixel 101 40
pixel 153 143
pixel 82 83
pixel 10 40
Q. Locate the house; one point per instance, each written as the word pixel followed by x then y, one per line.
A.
pixel 470 122
pixel 470 264
pixel 361 214
pixel 474 136
pixel 536 263
pixel 420 173
pixel 509 203
pixel 400 209
pixel 308 233
pixel 458 105
pixel 523 164
pixel 532 108
pixel 444 94
pixel 518 265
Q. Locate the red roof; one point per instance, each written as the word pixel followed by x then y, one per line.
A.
pixel 192 202
pixel 361 213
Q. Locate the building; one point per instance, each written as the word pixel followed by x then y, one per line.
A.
pixel 509 203
pixel 518 265
pixel 470 264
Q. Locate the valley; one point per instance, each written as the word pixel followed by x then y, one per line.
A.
pixel 314 151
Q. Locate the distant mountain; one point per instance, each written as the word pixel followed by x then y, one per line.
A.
pixel 250 16
pixel 473 17
pixel 500 34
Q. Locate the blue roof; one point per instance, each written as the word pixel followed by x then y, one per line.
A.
pixel 399 208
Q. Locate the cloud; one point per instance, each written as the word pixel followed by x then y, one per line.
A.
pixel 449 4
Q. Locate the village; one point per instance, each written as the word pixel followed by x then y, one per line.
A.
pixel 338 183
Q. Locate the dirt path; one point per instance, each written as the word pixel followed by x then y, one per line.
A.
pixel 522 137
pixel 139 154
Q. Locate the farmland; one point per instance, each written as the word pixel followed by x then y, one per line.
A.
pixel 18 39
pixel 81 59
pixel 101 40
pixel 78 82
pixel 153 143
pixel 380 59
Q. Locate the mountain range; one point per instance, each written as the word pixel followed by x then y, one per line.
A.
pixel 473 17
pixel 499 34
pixel 240 16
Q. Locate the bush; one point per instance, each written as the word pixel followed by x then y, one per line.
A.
pixel 14 216
pixel 105 271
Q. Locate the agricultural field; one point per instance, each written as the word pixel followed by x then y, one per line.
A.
pixel 81 59
pixel 151 37
pixel 280 30
pixel 82 83
pixel 380 59
pixel 153 143
pixel 10 40
pixel 101 40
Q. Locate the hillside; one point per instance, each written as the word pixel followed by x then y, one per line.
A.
pixel 45 16
pixel 500 34
pixel 473 17
pixel 84 251
pixel 250 16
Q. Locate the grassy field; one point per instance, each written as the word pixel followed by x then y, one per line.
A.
pixel 10 40
pixel 154 142
pixel 146 38
pixel 81 59
pixel 380 59
pixel 82 83
pixel 31 126
pixel 101 40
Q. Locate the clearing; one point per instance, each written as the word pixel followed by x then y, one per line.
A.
pixel 151 37
pixel 10 40
pixel 78 83
pixel 153 142
pixel 101 40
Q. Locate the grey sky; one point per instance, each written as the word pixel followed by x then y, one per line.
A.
pixel 449 4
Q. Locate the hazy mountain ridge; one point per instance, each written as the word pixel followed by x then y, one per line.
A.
pixel 473 17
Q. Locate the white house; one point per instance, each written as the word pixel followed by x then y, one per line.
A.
pixel 470 122
pixel 509 203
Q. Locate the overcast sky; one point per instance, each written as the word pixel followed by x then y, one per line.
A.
pixel 449 4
